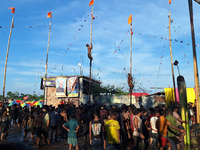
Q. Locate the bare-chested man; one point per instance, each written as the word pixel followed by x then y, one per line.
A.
pixel 130 82
pixel 64 119
pixel 38 127
pixel 64 115
pixel 89 51
pixel 137 133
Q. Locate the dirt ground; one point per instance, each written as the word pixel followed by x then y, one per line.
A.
pixel 61 144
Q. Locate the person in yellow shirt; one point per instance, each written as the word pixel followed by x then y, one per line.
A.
pixel 113 133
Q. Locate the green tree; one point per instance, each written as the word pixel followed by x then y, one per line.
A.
pixel 35 97
pixel 119 91
pixel 10 95
pixel 22 95
pixel 30 97
pixel 108 90
pixel 41 97
pixel 16 95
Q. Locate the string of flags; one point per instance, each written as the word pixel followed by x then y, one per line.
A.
pixel 70 44
pixel 41 64
pixel 159 68
pixel 81 26
pixel 187 59
pixel 33 26
pixel 161 59
pixel 184 52
pixel 162 38
pixel 74 37
pixel 118 49
pixel 142 76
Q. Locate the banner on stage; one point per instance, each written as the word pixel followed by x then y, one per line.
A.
pixel 72 87
pixel 50 81
pixel 61 87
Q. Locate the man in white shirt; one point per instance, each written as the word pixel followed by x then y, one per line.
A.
pixel 154 130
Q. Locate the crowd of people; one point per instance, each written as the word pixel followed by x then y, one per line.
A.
pixel 102 127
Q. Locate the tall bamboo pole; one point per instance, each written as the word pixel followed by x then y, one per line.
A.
pixel 91 52
pixel 4 81
pixel 184 109
pixel 131 90
pixel 196 75
pixel 46 67
pixel 170 47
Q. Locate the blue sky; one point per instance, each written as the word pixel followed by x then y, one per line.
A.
pixel 71 25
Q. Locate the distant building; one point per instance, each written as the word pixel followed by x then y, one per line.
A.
pixel 68 88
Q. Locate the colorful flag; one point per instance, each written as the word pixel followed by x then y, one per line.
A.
pixel 170 1
pixel 91 3
pixel 13 9
pixel 49 14
pixel 130 19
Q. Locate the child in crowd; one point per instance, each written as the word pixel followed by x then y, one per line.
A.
pixel 72 128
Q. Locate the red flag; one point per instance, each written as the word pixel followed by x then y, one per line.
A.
pixel 12 9
pixel 91 3
pixel 130 19
pixel 49 14
pixel 170 1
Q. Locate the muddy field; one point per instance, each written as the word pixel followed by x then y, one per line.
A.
pixel 61 144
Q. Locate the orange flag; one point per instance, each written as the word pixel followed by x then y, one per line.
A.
pixel 49 14
pixel 130 19
pixel 170 1
pixel 91 3
pixel 13 9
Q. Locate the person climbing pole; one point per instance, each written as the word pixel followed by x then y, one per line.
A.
pixel 89 51
pixel 130 82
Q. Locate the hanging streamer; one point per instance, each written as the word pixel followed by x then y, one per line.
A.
pixel 71 43
pixel 25 26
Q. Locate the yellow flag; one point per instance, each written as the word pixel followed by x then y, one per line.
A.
pixel 130 19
